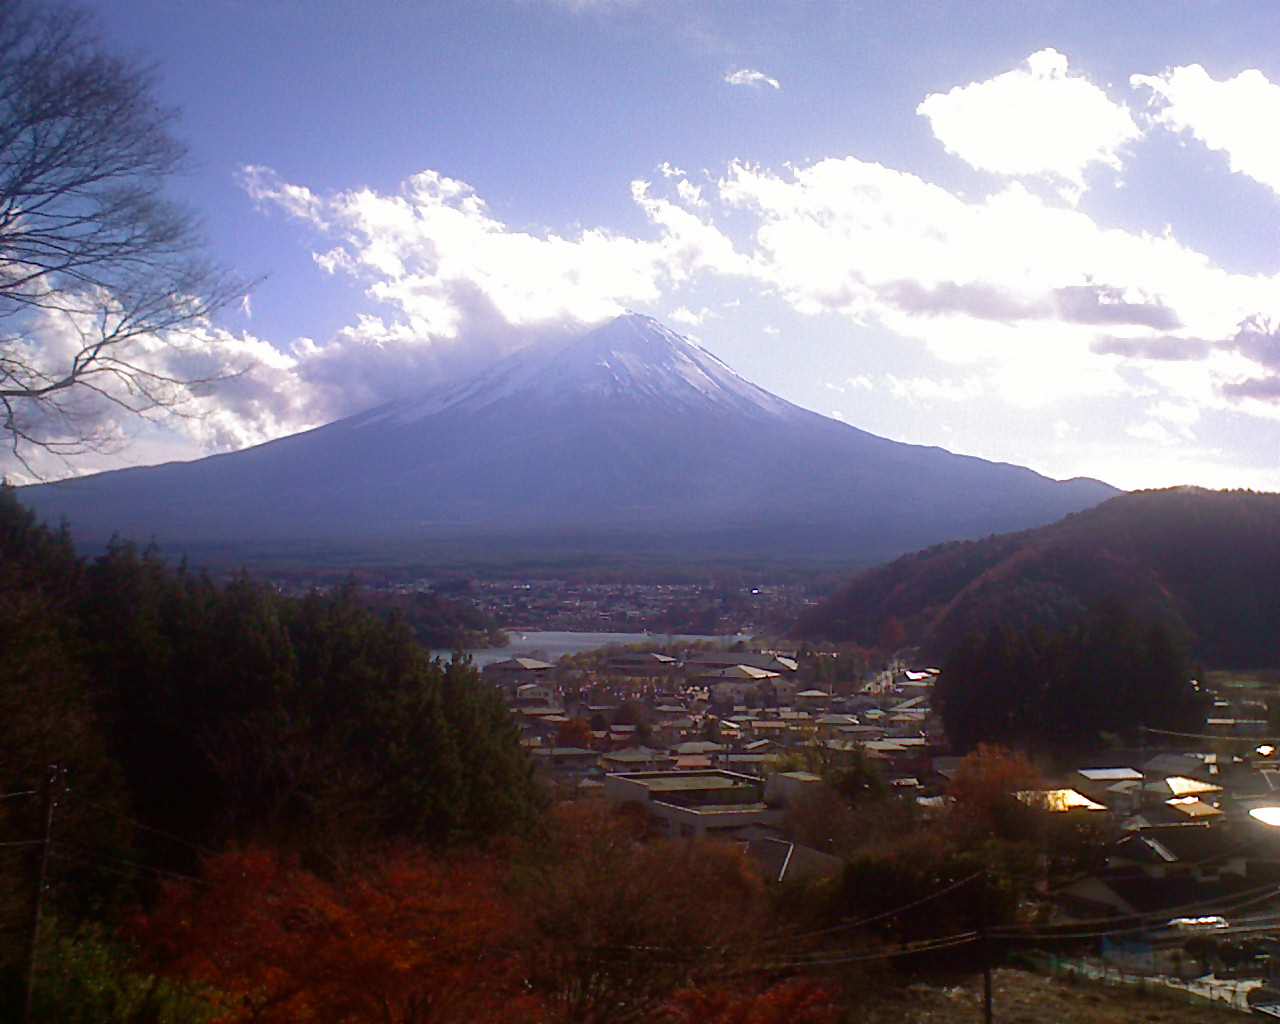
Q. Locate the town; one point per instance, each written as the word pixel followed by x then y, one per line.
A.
pixel 1178 880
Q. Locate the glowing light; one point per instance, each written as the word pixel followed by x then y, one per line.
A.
pixel 1266 815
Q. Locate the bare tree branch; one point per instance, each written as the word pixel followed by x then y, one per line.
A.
pixel 86 235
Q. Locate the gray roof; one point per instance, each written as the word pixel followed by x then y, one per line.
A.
pixel 523 664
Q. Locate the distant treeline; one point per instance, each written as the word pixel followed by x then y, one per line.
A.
pixel 437 622
pixel 1205 564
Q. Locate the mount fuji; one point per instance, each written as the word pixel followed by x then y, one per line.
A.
pixel 627 439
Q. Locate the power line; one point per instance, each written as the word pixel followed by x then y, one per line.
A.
pixel 151 828
pixel 1254 740
pixel 90 853
pixel 885 914
pixel 1248 898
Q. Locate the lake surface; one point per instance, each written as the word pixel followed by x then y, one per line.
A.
pixel 550 645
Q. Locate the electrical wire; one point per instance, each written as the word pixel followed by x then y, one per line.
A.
pixel 863 922
pixel 150 828
pixel 94 853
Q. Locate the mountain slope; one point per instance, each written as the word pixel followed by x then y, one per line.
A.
pixel 1205 562
pixel 629 437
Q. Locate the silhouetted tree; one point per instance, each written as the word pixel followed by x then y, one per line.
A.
pixel 93 254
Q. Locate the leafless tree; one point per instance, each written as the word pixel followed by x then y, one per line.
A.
pixel 91 252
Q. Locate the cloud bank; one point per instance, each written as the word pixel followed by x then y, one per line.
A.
pixel 1027 299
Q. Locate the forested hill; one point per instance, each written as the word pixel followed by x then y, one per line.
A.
pixel 1206 563
pixel 232 714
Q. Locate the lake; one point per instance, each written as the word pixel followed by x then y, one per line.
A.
pixel 550 645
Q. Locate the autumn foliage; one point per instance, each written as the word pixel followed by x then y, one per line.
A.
pixel 409 941
pixel 599 923
pixel 985 787
pixel 575 733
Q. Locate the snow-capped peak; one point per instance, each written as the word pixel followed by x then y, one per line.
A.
pixel 631 358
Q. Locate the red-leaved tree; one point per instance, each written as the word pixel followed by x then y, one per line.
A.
pixel 411 941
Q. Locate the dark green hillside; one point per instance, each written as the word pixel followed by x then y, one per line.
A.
pixel 232 714
pixel 1204 563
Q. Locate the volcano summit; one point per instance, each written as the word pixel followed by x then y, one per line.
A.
pixel 627 439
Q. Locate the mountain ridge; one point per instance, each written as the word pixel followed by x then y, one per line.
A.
pixel 627 429
pixel 1205 563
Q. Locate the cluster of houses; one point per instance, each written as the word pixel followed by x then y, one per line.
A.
pixel 722 738
pixel 711 743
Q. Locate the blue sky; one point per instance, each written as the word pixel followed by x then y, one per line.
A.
pixel 1026 231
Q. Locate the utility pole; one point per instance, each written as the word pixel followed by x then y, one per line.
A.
pixel 49 802
pixel 984 945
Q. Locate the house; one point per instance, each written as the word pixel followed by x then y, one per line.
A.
pixel 637 759
pixel 1194 850
pixel 534 695
pixel 1098 783
pixel 514 672
pixel 565 761
pixel 734 684
pixel 781 861
pixel 785 788
pixel 694 804
pixel 1059 801
pixel 748 762
pixel 828 726
pixel 700 664
pixel 641 664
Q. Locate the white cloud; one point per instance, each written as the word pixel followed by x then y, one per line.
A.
pixel 689 193
pixel 747 76
pixel 243 391
pixel 928 390
pixel 1235 116
pixel 1023 288
pixel 452 288
pixel 267 190
pixel 1038 119
pixel 1037 302
pixel 1153 431
pixel 688 317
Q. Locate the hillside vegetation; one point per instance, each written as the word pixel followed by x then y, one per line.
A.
pixel 1203 563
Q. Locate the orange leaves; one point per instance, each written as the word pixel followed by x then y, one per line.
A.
pixel 411 941
pixel 984 788
pixel 599 925
pixel 575 733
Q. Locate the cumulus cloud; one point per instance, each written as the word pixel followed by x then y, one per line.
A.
pixel 1035 300
pixel 452 288
pixel 748 76
pixel 1234 116
pixel 1012 281
pixel 211 389
pixel 1038 119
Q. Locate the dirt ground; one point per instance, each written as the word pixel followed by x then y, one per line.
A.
pixel 1024 998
